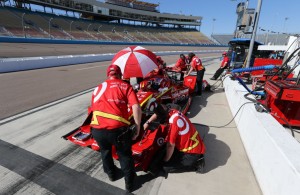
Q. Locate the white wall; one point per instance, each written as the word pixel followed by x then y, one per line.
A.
pixel 273 153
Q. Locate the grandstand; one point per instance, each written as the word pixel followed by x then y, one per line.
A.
pixel 222 39
pixel 270 39
pixel 267 39
pixel 130 21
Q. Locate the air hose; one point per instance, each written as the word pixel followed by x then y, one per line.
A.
pixel 252 92
pixel 268 67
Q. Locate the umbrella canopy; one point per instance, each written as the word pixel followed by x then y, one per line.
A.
pixel 135 61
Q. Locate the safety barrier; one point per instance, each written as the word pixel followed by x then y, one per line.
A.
pixel 272 151
pixel 29 63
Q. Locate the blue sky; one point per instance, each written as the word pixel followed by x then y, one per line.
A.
pixel 272 17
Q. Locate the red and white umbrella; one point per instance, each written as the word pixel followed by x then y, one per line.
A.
pixel 135 61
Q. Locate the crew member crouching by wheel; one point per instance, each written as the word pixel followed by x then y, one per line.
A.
pixel 110 123
pixel 184 149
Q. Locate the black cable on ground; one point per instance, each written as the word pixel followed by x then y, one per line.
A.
pixel 221 83
pixel 229 121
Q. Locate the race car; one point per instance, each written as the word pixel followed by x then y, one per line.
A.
pixel 151 91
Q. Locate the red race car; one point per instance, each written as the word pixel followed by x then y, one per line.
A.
pixel 157 89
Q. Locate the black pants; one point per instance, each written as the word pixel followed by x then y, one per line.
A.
pixel 182 161
pixel 105 139
pixel 200 75
pixel 218 73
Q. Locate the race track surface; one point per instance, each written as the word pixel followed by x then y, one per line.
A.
pixel 21 91
pixel 38 107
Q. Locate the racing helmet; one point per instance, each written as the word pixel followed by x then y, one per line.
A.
pixel 113 70
pixel 145 85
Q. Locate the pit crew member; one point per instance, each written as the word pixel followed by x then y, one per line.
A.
pixel 184 149
pixel 109 125
pixel 224 64
pixel 197 66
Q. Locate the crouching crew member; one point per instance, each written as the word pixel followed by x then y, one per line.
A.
pixel 180 65
pixel 110 123
pixel 184 149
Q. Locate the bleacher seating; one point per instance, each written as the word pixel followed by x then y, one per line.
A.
pixel 272 39
pixel 44 25
pixel 222 39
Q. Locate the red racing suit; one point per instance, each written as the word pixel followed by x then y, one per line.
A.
pixel 225 62
pixel 111 101
pixel 180 65
pixel 183 134
pixel 196 63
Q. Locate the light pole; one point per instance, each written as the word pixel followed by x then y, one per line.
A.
pixel 98 31
pixel 285 19
pixel 267 36
pixel 71 26
pixel 256 18
pixel 23 27
pixel 213 26
pixel 50 27
pixel 87 30
pixel 99 28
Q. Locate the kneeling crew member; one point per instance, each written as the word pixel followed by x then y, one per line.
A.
pixel 110 123
pixel 184 149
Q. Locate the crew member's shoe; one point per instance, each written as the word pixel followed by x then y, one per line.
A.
pixel 129 185
pixel 200 165
pixel 112 177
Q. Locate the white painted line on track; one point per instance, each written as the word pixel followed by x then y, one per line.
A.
pixel 90 67
pixel 28 112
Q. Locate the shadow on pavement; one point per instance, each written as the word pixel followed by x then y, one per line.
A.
pixel 201 102
pixel 48 174
pixel 217 151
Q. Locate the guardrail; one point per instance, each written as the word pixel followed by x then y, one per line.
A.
pixel 272 151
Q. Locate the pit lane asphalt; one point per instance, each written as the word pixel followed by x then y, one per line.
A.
pixel 35 160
